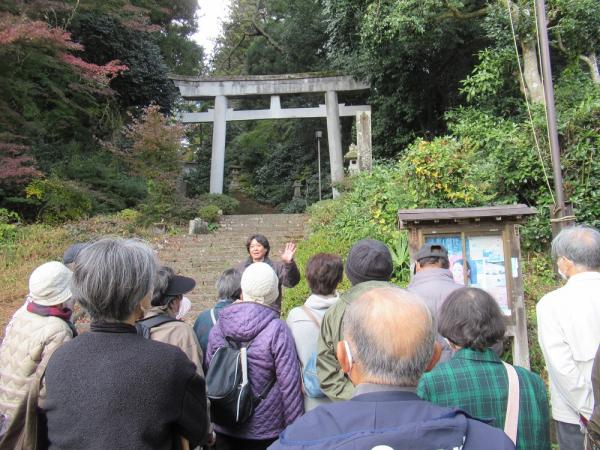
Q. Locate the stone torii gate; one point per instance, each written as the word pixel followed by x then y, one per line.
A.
pixel 196 88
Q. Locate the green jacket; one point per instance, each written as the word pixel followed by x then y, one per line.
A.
pixel 477 383
pixel 333 382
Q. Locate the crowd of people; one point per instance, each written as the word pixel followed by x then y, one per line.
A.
pixel 377 366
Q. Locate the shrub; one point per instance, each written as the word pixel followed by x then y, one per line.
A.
pixel 296 205
pixel 317 242
pixel 225 203
pixel 130 215
pixel 444 173
pixel 209 213
pixel 8 227
pixel 59 200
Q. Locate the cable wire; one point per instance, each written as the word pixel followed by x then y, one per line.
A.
pixel 535 138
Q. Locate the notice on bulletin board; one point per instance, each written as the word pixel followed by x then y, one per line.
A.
pixel 484 264
pixel 486 254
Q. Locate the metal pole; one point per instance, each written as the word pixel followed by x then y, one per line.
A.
pixel 550 109
pixel 318 134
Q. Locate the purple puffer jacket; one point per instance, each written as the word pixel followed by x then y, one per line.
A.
pixel 272 353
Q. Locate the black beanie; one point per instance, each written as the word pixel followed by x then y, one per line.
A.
pixel 369 260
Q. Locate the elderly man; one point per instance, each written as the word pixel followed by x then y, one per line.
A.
pixel 433 282
pixel 569 331
pixel 386 367
pixel 369 265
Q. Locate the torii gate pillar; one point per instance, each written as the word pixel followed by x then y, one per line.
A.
pixel 334 137
pixel 194 88
pixel 217 161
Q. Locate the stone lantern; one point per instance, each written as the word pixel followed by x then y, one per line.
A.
pixel 297 185
pixel 352 158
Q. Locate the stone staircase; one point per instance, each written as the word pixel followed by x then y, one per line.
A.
pixel 205 257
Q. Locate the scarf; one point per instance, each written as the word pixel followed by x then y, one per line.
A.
pixel 53 311
pixel 112 327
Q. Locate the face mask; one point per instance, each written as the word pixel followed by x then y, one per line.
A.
pixel 184 307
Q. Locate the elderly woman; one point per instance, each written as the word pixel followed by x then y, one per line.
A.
pixel 228 290
pixel 475 379
pixel 272 360
pixel 111 388
pixel 36 330
pixel 160 321
pixel 287 271
pixel 324 272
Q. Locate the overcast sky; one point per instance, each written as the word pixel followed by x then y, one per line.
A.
pixel 210 16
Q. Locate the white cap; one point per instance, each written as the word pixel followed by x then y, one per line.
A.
pixel 49 284
pixel 260 283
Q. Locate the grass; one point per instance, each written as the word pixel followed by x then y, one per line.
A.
pixel 35 244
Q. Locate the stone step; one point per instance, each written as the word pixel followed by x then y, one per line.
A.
pixel 205 257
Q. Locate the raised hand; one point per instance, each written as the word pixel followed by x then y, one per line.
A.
pixel 287 255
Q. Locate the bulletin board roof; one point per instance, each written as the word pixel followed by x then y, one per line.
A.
pixel 492 213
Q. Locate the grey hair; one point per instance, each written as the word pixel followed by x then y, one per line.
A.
pixel 229 285
pixel 112 276
pixel 372 348
pixel 579 244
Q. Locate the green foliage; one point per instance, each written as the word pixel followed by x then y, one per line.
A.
pixel 164 203
pixel 296 205
pixel 8 227
pixel 318 242
pixel 227 204
pixel 106 39
pixel 109 185
pixel 445 173
pixel 129 215
pixel 413 52
pixel 539 279
pixel 59 200
pixel 209 213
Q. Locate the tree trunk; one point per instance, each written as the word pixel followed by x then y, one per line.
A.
pixel 531 72
pixel 592 62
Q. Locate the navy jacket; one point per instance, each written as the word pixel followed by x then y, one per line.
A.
pixel 397 419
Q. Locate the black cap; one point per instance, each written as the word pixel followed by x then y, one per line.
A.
pixel 180 285
pixel 432 250
pixel 369 260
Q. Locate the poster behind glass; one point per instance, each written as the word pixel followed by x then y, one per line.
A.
pixel 484 264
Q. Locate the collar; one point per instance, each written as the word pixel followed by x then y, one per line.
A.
pixel 157 310
pixel 427 274
pixel 370 388
pixel 112 327
pixel 584 276
pixel 224 302
pixel 488 355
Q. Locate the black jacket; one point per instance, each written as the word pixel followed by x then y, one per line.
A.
pixel 116 390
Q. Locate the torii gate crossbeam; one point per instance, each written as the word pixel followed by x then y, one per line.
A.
pixel 193 88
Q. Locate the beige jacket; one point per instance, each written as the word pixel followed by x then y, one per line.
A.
pixel 28 343
pixel 179 334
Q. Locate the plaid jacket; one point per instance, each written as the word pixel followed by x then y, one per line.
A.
pixel 477 383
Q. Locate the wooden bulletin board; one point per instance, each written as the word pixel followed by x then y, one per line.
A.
pixel 484 250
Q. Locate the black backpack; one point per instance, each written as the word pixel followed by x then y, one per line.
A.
pixel 143 326
pixel 228 385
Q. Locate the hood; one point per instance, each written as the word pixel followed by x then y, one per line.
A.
pixel 243 321
pixel 316 301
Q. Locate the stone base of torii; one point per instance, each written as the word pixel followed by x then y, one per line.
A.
pixel 195 88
